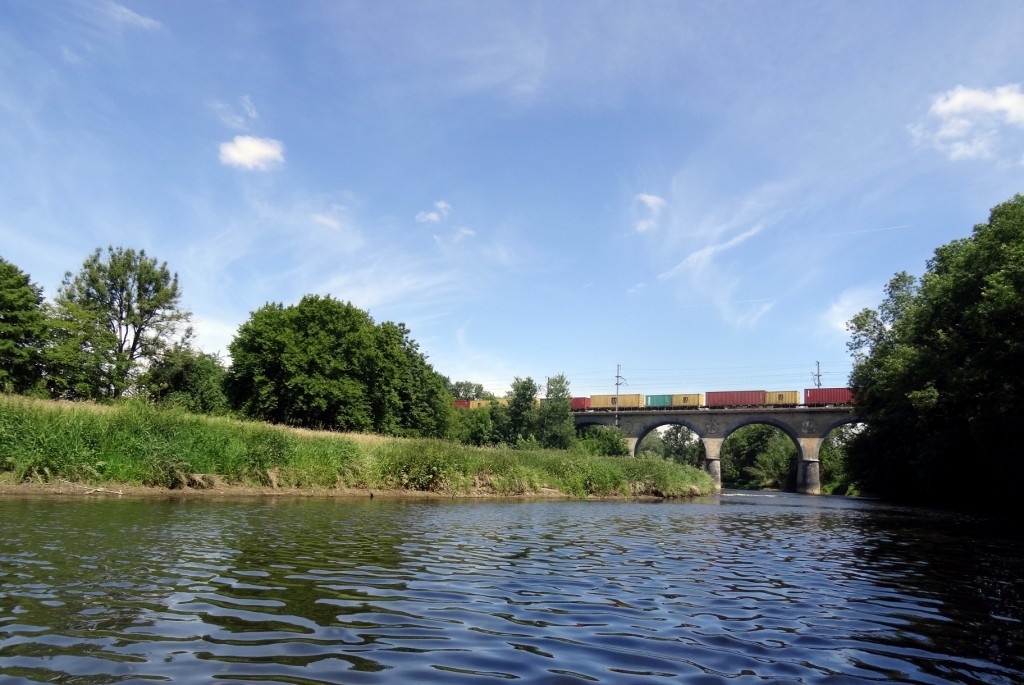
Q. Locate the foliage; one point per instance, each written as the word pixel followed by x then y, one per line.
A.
pixel 22 329
pixel 758 456
pixel 111 320
pixel 521 410
pixel 140 443
pixel 937 373
pixel 836 478
pixel 683 445
pixel 188 379
pixel 651 446
pixel 467 390
pixel 554 425
pixel 604 441
pixel 324 364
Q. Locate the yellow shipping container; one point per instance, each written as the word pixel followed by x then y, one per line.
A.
pixel 693 399
pixel 782 397
pixel 479 404
pixel 609 401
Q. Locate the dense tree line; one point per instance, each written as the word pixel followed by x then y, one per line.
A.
pixel 116 328
pixel 937 373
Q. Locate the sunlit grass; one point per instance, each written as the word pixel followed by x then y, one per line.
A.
pixel 138 443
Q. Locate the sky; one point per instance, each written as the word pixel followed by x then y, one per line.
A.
pixel 699 194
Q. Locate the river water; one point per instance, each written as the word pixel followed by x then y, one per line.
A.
pixel 740 588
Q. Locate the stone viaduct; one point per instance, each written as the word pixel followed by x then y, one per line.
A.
pixel 807 426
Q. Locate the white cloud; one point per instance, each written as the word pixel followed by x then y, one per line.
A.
pixel 653 206
pixel 124 16
pixel 696 263
pixel 441 211
pixel 258 154
pixel 232 118
pixel 328 221
pixel 972 123
pixel 848 303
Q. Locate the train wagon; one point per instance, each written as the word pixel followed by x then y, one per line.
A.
pixel 782 398
pixel 631 401
pixel 462 404
pixel 580 403
pixel 657 400
pixel 735 398
pixel 821 396
pixel 692 399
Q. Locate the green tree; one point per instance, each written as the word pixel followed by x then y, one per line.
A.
pixel 22 329
pixel 473 427
pixel 189 379
pixel 555 427
pixel 604 441
pixel 522 411
pixel 323 363
pixel 468 390
pixel 683 445
pixel 652 445
pixel 111 319
pixel 758 456
pixel 936 376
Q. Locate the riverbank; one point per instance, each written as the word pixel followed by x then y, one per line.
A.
pixel 133 447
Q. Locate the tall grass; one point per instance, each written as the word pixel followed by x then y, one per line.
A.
pixel 137 443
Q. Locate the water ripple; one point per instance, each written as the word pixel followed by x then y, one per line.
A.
pixel 787 589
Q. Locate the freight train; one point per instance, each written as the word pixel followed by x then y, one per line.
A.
pixel 728 399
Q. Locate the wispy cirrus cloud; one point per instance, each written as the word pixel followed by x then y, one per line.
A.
pixel 974 123
pixel 236 117
pixel 121 16
pixel 255 154
pixel 652 206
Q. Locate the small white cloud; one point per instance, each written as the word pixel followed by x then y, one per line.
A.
pixel 696 263
pixel 636 288
pixel 327 220
pixel 460 234
pixel 653 207
pixel 125 17
pixel 259 154
pixel 847 305
pixel 441 211
pixel 972 123
pixel 234 119
pixel 250 109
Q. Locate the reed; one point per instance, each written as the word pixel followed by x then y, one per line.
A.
pixel 139 443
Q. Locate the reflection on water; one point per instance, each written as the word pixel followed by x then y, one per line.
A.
pixel 730 589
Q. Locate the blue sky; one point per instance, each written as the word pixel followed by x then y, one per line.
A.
pixel 700 192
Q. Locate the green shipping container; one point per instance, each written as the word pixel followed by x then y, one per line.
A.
pixel 658 401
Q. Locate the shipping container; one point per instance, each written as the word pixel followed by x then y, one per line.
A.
pixel 818 396
pixel 580 403
pixel 658 400
pixel 462 404
pixel 735 398
pixel 693 399
pixel 782 397
pixel 479 404
pixel 621 401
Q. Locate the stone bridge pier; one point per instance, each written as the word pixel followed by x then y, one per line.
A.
pixel 806 426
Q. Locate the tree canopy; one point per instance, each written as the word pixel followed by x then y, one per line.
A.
pixel 111 319
pixel 323 363
pixel 937 372
pixel 22 329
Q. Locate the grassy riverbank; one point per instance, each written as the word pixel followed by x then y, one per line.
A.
pixel 135 443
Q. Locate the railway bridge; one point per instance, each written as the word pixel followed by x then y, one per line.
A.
pixel 807 426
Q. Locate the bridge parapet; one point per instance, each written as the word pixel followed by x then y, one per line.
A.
pixel 806 426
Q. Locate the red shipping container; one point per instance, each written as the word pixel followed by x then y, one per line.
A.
pixel 729 398
pixel 580 403
pixel 828 396
pixel 462 404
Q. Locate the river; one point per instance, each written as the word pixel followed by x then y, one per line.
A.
pixel 741 588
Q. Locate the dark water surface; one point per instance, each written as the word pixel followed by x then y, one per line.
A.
pixel 735 589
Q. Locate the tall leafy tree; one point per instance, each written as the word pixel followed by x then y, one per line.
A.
pixel 937 377
pixel 323 363
pixel 554 425
pixel 522 410
pixel 189 379
pixel 112 318
pixel 22 329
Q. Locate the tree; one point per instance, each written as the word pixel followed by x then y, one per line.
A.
pixel 555 427
pixel 604 441
pixel 189 379
pixel 323 363
pixel 521 410
pixel 758 456
pixel 683 445
pixel 468 390
pixel 22 329
pixel 936 376
pixel 112 319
